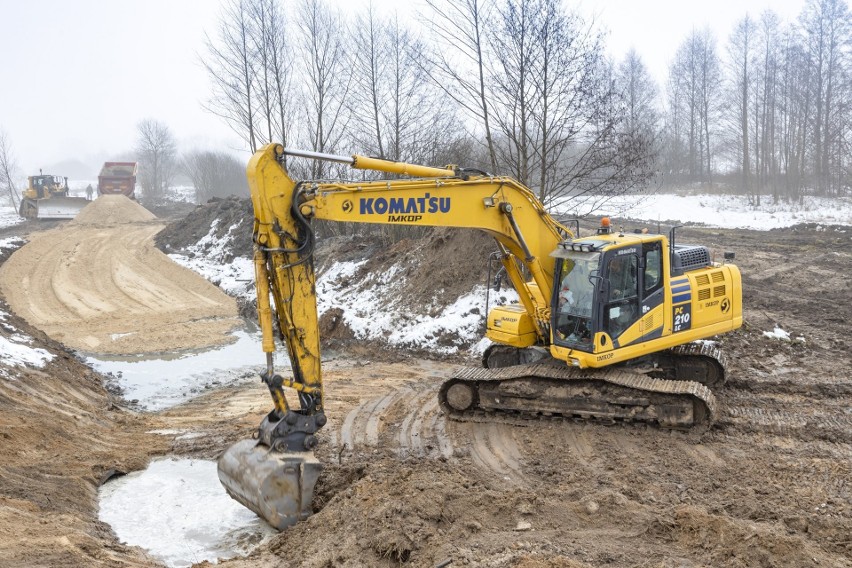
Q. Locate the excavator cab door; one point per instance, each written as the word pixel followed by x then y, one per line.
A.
pixel 621 309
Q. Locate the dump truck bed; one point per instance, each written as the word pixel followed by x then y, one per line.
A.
pixel 117 178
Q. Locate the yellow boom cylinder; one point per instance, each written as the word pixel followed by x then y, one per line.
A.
pixel 413 170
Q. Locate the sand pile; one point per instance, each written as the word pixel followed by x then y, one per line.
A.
pixel 98 284
pixel 112 210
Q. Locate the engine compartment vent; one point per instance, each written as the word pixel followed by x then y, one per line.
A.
pixel 689 257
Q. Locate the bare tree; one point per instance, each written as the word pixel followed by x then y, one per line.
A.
pixel 231 64
pixel 327 78
pixel 639 93
pixel 740 51
pixel 280 63
pixel 795 75
pixel 370 90
pixel 459 59
pixel 8 170
pixel 767 122
pixel 827 29
pixel 270 49
pixel 399 113
pixel 215 174
pixel 157 155
pixel 695 79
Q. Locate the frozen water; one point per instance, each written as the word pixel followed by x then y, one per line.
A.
pixel 179 512
pixel 173 378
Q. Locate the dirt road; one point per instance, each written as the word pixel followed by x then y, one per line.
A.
pixel 769 485
pixel 91 282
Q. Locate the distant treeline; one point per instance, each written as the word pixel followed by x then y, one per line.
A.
pixel 523 88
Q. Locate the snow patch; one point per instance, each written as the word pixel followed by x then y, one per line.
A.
pixel 370 312
pixel 9 217
pixel 16 352
pixel 777 333
pixel 12 243
pixel 207 257
pixel 728 211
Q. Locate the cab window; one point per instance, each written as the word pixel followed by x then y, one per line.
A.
pixel 653 267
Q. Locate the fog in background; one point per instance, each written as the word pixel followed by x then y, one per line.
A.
pixel 79 76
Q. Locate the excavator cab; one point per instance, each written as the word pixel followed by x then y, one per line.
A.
pixel 619 297
pixel 605 292
pixel 43 186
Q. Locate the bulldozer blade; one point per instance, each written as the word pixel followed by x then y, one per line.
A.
pixel 277 486
pixel 60 207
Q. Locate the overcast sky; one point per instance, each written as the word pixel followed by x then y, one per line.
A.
pixel 78 75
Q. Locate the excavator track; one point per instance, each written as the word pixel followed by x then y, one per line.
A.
pixel 541 391
pixel 700 362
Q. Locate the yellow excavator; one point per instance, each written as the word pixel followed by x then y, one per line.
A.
pixel 46 197
pixel 607 326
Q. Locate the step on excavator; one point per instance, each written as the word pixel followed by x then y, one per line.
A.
pixel 608 326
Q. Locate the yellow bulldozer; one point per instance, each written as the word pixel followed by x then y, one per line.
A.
pixel 46 197
pixel 606 329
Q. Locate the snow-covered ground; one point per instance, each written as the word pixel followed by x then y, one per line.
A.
pixel 208 258
pixel 369 314
pixel 9 217
pixel 731 211
pixel 15 350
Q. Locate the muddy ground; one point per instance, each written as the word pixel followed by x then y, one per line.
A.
pixel 769 485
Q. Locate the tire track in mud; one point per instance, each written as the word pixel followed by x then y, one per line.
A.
pixel 811 426
pixel 806 411
pixel 410 422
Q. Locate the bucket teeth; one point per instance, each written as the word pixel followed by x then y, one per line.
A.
pixel 277 486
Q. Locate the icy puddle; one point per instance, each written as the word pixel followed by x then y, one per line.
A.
pixel 178 511
pixel 170 379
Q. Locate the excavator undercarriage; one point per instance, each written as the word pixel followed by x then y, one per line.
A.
pixel 670 389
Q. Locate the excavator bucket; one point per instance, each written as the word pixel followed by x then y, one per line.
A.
pixel 278 486
pixel 60 207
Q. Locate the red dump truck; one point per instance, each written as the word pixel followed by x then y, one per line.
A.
pixel 118 178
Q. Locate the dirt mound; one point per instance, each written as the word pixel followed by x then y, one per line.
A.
pixel 228 218
pixel 100 285
pixel 112 210
pixel 61 433
pixel 438 265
